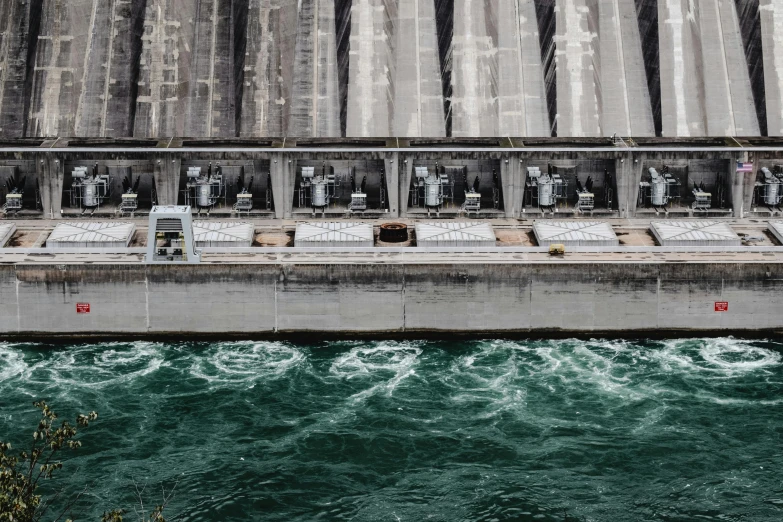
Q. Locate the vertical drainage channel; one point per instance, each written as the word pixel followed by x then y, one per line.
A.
pixel 36 9
pixel 545 12
pixel 444 23
pixel 750 26
pixel 647 18
pixel 342 23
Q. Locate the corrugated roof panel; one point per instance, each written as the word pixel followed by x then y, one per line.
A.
pixel 92 234
pixel 575 233
pixel 229 234
pixel 455 234
pixel 694 233
pixel 334 234
pixel 776 227
pixel 6 232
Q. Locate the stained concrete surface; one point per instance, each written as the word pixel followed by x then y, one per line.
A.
pixel 408 68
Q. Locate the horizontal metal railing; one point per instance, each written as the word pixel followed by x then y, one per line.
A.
pixel 409 250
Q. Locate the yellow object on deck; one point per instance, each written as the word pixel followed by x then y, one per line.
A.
pixel 556 249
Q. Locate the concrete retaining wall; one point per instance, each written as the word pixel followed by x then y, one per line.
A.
pixel 381 299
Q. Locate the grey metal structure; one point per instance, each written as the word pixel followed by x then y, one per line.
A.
pixel 204 189
pixel 223 234
pixel 472 202
pixel 91 234
pixel 659 189
pixel 317 189
pixel 694 233
pixel 334 234
pixel 14 192
pixel 702 199
pixel 455 234
pixel 771 186
pixel 544 190
pixel 88 187
pixel 575 233
pixel 170 236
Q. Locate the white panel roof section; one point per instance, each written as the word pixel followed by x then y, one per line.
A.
pixel 454 234
pixel 694 233
pixel 776 227
pixel 332 234
pixel 575 233
pixel 6 232
pixel 223 233
pixel 93 234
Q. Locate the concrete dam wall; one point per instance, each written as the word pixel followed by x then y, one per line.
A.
pixel 405 68
pixel 470 299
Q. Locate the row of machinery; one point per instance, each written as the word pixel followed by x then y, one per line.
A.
pixel 662 189
pixel 433 189
pixel 547 190
pixel 319 188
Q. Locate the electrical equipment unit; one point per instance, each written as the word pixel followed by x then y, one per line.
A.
pixel 585 197
pixel 544 190
pixel 130 195
pixel 659 190
pixel 472 196
pixel 14 193
pixel 317 189
pixel 428 188
pixel 433 190
pixel 770 189
pixel 472 202
pixel 358 194
pixel 88 188
pixel 244 196
pixel 204 189
pixel 702 198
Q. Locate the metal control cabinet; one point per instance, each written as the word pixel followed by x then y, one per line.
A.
pixel 170 237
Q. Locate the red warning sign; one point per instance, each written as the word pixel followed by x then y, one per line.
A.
pixel 721 306
pixel 82 308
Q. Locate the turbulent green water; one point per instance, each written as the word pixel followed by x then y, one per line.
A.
pixel 490 430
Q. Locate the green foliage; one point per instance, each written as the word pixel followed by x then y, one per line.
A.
pixel 20 476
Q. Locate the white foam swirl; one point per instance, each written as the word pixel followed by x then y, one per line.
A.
pixel 244 362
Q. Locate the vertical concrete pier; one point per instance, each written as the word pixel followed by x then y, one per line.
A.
pixel 266 94
pixel 522 109
pixel 61 61
pixel 165 66
pixel 578 68
pixel 474 76
pixel 371 58
pixel 601 83
pixel 211 89
pixel 105 105
pixel 315 106
pixel 626 108
pixel 418 91
pixel 15 19
pixel 705 86
pixel 772 45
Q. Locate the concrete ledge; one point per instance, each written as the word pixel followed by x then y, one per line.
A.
pixel 312 300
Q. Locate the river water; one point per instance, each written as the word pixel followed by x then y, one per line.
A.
pixel 556 430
